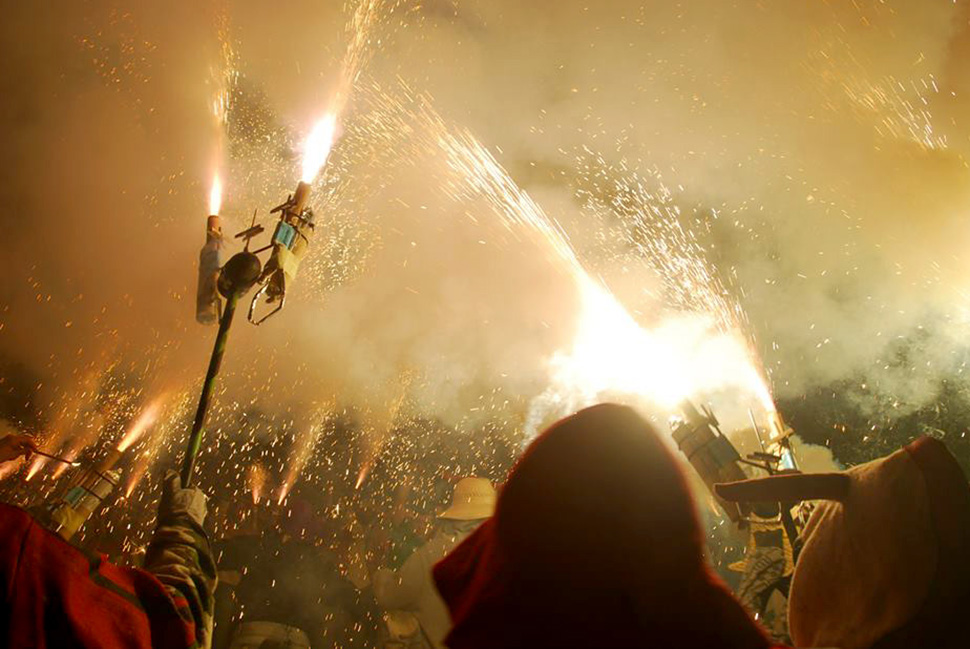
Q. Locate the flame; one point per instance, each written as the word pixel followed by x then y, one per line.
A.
pixel 36 465
pixel 683 356
pixel 362 475
pixel 317 147
pixel 257 479
pixel 61 467
pixel 140 469
pixel 142 424
pixel 215 195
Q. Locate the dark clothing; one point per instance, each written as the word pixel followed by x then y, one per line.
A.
pixel 294 583
pixel 594 543
pixel 58 596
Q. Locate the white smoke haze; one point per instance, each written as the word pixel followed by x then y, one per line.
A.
pixel 817 151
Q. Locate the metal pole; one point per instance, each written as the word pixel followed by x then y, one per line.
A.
pixel 195 438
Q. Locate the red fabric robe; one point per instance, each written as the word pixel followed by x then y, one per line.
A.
pixel 57 596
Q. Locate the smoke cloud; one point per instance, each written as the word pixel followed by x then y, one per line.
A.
pixel 819 151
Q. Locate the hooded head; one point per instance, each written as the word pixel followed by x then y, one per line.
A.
pixel 594 542
pixel 886 557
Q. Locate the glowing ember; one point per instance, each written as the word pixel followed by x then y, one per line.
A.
pixel 317 147
pixel 215 195
pixel 142 424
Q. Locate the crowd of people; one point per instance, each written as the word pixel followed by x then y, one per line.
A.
pixel 593 540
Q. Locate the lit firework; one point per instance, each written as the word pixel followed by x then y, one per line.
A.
pixel 144 421
pixel 317 147
pixel 303 448
pixel 215 195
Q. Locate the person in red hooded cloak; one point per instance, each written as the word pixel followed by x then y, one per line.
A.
pixel 594 543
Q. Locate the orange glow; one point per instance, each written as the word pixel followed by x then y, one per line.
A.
pixel 364 470
pixel 36 465
pixel 215 195
pixel 62 467
pixel 317 147
pixel 683 356
pixel 137 475
pixel 142 424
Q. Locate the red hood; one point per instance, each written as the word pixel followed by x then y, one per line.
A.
pixel 594 543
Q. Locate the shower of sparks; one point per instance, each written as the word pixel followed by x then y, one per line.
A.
pixel 897 108
pixel 360 48
pixel 144 421
pixel 225 73
pixel 73 416
pixel 901 108
pixel 685 356
pixel 303 448
pixel 256 479
pixel 691 284
pixel 172 416
pixel 362 42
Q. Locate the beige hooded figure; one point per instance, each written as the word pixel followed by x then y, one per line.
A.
pixel 885 562
pixel 411 588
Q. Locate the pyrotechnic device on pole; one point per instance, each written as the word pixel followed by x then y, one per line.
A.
pixel 289 244
pixel 291 239
pixel 85 493
pixel 236 278
pixel 716 460
pixel 698 435
pixel 207 304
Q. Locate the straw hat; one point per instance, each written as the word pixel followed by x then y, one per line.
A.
pixel 474 499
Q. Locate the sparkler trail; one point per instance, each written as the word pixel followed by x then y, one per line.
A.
pixel 142 424
pixel 897 108
pixel 304 446
pixel 364 20
pixel 256 479
pixel 694 353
